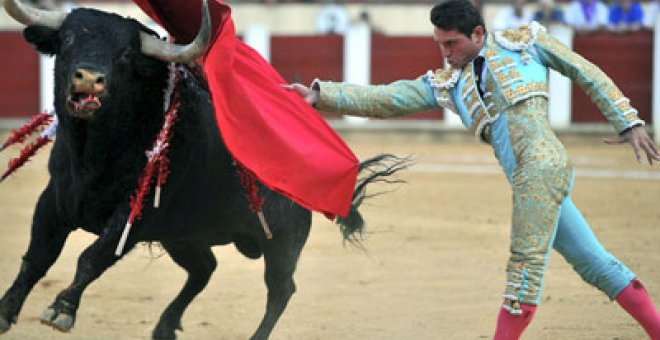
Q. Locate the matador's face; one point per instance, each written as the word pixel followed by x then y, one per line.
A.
pixel 457 48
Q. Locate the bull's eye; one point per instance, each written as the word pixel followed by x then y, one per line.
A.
pixel 67 41
pixel 125 56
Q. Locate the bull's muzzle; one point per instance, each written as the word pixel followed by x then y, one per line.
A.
pixel 87 87
pixel 88 81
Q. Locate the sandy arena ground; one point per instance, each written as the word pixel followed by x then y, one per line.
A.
pixel 433 269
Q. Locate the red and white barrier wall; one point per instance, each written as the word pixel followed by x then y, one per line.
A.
pixel 361 56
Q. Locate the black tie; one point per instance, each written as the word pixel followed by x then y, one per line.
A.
pixel 478 67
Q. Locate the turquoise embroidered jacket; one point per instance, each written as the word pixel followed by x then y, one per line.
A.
pixel 518 62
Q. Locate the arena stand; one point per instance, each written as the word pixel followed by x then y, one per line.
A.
pixel 397 45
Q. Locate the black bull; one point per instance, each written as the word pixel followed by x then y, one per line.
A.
pixel 99 153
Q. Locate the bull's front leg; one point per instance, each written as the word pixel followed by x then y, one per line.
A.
pixel 98 257
pixel 47 239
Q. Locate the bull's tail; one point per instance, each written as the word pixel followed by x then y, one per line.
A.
pixel 377 169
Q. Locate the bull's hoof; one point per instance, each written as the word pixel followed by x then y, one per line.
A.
pixel 165 331
pixel 4 325
pixel 61 321
pixel 156 337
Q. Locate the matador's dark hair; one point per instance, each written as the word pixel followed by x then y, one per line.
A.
pixel 460 15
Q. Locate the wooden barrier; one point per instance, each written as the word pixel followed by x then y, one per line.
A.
pixel 396 58
pixel 628 60
pixel 19 84
pixel 303 58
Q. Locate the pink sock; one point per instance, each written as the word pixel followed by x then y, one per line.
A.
pixel 509 326
pixel 637 302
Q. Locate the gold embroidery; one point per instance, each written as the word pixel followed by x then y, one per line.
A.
pixel 494 66
pixel 441 81
pixel 443 76
pixel 523 34
pixel 623 105
pixel 476 120
pixel 472 101
pixel 539 183
pixel 490 52
pixel 468 80
pixel 512 94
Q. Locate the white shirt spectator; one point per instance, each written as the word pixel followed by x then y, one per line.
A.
pixel 506 18
pixel 652 11
pixel 332 19
pixel 576 17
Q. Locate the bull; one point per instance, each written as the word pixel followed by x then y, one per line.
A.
pixel 110 74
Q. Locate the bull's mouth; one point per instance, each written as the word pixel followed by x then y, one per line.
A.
pixel 83 105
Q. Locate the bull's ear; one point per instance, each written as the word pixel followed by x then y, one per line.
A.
pixel 45 40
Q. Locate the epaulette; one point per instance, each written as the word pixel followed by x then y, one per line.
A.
pixel 519 39
pixel 443 78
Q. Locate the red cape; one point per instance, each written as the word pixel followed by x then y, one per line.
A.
pixel 269 130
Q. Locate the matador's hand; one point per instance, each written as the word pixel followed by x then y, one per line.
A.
pixel 639 139
pixel 309 95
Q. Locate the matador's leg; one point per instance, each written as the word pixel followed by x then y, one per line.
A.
pixel 540 181
pixel 577 243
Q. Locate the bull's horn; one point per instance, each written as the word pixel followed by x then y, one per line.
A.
pixel 28 15
pixel 162 50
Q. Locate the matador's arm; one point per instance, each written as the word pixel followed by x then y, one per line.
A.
pixel 598 86
pixel 380 101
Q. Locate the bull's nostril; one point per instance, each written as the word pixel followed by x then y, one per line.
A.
pixel 100 80
pixel 78 75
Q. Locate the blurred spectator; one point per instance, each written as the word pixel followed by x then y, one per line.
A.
pixel 548 13
pixel 625 15
pixel 332 19
pixel 365 18
pixel 512 16
pixel 651 13
pixel 587 15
